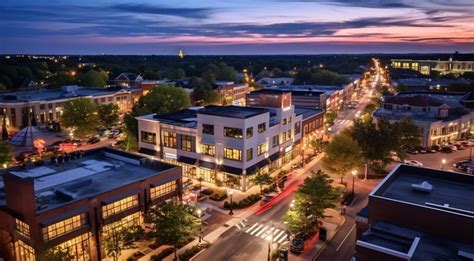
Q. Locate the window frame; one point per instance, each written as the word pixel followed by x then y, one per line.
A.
pixel 230 153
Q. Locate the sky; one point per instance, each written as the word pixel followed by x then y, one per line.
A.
pixel 235 27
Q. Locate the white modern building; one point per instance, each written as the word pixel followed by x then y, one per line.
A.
pixel 225 145
pixel 438 121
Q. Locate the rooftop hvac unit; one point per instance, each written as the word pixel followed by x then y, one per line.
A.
pixel 423 187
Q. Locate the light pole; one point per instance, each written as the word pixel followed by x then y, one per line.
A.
pixel 354 174
pixel 199 211
pixel 443 162
pixel 231 192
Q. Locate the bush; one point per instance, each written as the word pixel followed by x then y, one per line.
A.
pixel 219 194
pixel 246 202
pixel 207 191
pixel 166 252
pixel 189 253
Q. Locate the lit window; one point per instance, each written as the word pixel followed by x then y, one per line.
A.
pixel 24 252
pixel 63 227
pixel 78 247
pixel 261 148
pixel 233 132
pixel 148 137
pixel 119 206
pixel 186 143
pixel 169 139
pixel 162 190
pixel 22 228
pixel 126 222
pixel 208 149
pixel 275 141
pixel 262 127
pixel 232 154
pixel 249 154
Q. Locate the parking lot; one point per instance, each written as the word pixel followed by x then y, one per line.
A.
pixel 435 160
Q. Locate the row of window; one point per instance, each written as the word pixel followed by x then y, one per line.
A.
pixel 236 133
pixel 63 227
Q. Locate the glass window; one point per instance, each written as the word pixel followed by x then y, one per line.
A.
pixel 233 132
pixel 284 121
pixel 289 119
pixel 65 226
pixel 275 141
pixel 148 137
pixel 262 127
pixel 208 129
pixel 297 127
pixel 79 247
pixel 233 154
pixel 261 148
pixel 24 252
pixel 208 149
pixel 249 154
pixel 126 222
pixel 249 132
pixel 186 143
pixel 169 139
pixel 119 206
pixel 22 228
pixel 163 189
pixel 208 175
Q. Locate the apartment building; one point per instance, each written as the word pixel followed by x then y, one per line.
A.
pixel 71 203
pixel 226 145
pixel 418 214
pixel 440 120
pixel 47 105
pixel 426 66
pixel 231 93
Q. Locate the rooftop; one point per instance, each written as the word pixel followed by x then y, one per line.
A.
pixel 307 112
pixel 238 112
pixel 412 100
pixel 302 89
pixel 56 94
pixel 424 117
pixel 97 172
pixel 451 191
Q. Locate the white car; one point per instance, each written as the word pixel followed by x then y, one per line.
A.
pixel 414 163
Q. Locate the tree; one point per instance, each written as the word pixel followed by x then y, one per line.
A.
pixel 262 179
pixel 173 224
pixel 311 199
pixel 81 115
pixel 342 155
pixel 2 87
pixel 108 114
pixel 92 78
pixel 120 238
pixel 316 144
pixel 54 254
pixel 330 116
pixel 408 132
pixel 5 152
pixel 5 134
pixel 209 76
pixel 203 92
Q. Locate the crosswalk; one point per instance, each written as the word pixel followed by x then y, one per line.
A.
pixel 343 122
pixel 263 231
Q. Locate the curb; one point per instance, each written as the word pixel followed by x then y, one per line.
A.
pixel 197 254
pixel 319 252
pixel 325 243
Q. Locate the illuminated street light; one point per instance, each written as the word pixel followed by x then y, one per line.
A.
pixel 199 212
pixel 231 192
pixel 354 174
pixel 443 162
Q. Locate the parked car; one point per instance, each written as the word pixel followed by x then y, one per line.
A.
pixel 446 149
pixel 463 164
pixel 454 148
pixel 421 150
pixel 266 198
pixel 415 163
pixel 298 242
pixel 411 151
pixel 93 140
pixel 470 169
pixel 459 146
pixel 431 150
pixel 395 158
pixel 436 147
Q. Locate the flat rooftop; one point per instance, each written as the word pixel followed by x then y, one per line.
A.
pixel 98 171
pixel 238 112
pixel 427 247
pixel 450 191
pixel 307 112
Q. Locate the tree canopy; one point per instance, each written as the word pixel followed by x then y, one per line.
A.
pixel 92 78
pixel 121 238
pixel 108 114
pixel 262 179
pixel 5 152
pixel 203 94
pixel 82 116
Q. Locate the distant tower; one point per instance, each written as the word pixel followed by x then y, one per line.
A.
pixel 181 54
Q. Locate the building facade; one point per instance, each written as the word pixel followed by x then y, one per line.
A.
pixel 231 93
pixel 438 121
pixel 226 145
pixel 72 204
pixel 418 214
pixel 47 105
pixel 426 66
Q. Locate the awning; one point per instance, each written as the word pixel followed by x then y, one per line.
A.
pixel 64 215
pixel 187 160
pixel 120 196
pixel 207 165
pixel 231 170
pixel 148 151
pixel 166 180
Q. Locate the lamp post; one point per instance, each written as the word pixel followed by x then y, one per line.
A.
pixel 231 192
pixel 199 211
pixel 354 174
pixel 443 162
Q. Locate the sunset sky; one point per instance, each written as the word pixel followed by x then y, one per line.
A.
pixel 235 27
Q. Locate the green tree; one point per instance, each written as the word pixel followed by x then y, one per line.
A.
pixel 2 87
pixel 92 78
pixel 316 144
pixel 104 74
pixel 108 114
pixel 54 254
pixel 209 76
pixel 5 134
pixel 5 152
pixel 330 116
pixel 342 155
pixel 60 79
pixel 81 115
pixel 311 199
pixel 262 179
pixel 408 132
pixel 203 93
pixel 173 224
pixel 118 239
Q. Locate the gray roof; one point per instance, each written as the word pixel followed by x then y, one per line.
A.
pixel 307 112
pixel 238 112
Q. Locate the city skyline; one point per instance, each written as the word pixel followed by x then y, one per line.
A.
pixel 236 27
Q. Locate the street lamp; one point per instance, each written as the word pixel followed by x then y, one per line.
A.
pixel 292 205
pixel 199 211
pixel 443 162
pixel 231 192
pixel 354 174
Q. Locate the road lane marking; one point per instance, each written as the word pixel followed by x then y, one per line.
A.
pixel 237 225
pixel 254 225
pixel 277 238
pixel 269 237
pixel 337 249
pixel 261 231
pixel 257 229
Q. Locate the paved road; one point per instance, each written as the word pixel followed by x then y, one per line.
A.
pixel 434 160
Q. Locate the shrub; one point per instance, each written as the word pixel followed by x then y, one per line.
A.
pixel 207 191
pixel 166 252
pixel 189 253
pixel 246 202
